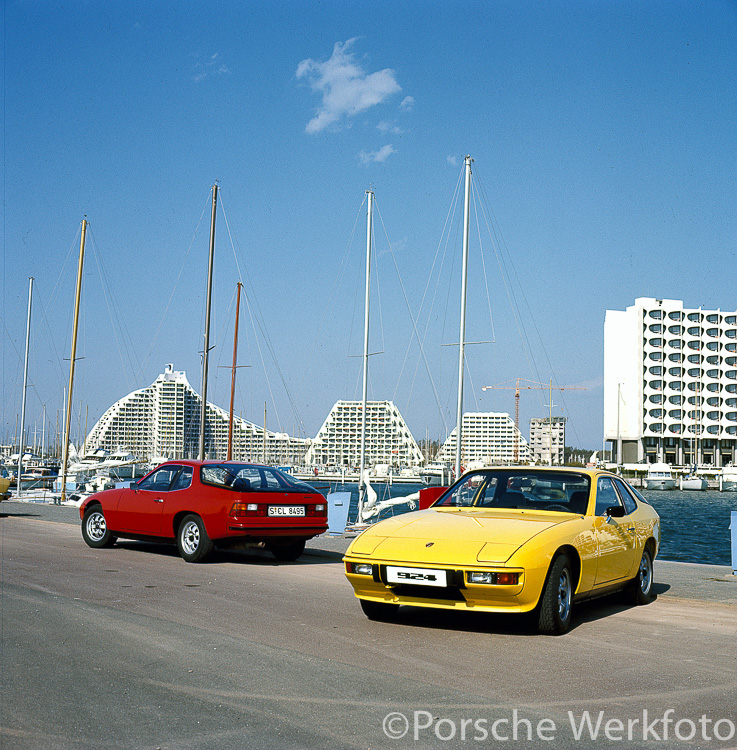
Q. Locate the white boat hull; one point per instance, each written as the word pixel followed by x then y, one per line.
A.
pixel 694 483
pixel 660 484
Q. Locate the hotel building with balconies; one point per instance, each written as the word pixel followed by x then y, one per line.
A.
pixel 488 438
pixel 162 421
pixel 388 439
pixel 670 383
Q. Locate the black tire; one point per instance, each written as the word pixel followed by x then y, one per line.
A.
pixel 379 611
pixel 287 551
pixel 554 614
pixel 640 589
pixel 94 528
pixel 192 540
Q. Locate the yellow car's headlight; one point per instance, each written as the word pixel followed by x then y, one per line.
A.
pixel 361 569
pixel 494 579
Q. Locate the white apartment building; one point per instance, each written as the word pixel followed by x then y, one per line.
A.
pixel 163 421
pixel 487 437
pixel 548 440
pixel 670 383
pixel 388 439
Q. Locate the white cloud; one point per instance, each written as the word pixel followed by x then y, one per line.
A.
pixel 346 88
pixel 452 160
pixel 387 127
pixel 407 104
pixel 213 66
pixel 379 156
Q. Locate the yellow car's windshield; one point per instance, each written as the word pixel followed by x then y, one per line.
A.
pixel 564 491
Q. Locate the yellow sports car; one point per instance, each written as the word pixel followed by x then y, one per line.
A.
pixel 513 539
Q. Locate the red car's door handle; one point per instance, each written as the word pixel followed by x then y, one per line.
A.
pixel 158 499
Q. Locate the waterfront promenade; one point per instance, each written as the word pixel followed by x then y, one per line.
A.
pixel 132 647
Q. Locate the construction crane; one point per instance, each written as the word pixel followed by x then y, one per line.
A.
pixel 535 386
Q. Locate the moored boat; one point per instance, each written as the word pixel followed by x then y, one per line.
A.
pixel 728 479
pixel 660 477
pixel 693 482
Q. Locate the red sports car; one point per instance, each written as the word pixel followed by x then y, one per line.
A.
pixel 200 504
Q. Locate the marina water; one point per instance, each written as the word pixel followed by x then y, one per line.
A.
pixel 694 526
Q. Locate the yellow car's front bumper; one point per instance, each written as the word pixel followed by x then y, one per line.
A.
pixel 459 593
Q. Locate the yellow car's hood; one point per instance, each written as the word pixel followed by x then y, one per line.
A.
pixel 452 536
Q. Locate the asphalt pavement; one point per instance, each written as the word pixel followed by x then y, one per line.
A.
pixel 131 647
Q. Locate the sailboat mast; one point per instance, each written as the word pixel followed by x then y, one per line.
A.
pixel 25 386
pixel 232 379
pixel 206 353
pixel 462 341
pixel 369 220
pixel 77 298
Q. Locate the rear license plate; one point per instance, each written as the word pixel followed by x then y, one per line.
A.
pixel 286 510
pixel 416 576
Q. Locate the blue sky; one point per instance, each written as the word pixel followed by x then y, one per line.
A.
pixel 604 143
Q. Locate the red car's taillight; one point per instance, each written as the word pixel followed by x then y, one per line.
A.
pixel 241 510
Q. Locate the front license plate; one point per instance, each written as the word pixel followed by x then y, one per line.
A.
pixel 416 576
pixel 286 510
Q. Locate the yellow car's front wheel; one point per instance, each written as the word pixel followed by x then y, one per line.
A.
pixel 554 615
pixel 381 611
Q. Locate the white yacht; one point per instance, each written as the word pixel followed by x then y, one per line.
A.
pixel 659 477
pixel 728 479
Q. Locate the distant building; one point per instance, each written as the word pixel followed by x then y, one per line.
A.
pixel 163 421
pixel 487 437
pixel 548 440
pixel 388 439
pixel 670 383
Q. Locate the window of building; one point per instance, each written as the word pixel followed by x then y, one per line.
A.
pixel 696 345
pixel 695 358
pixel 713 429
pixel 716 401
pixel 712 318
pixel 675 357
pixel 695 372
pixel 695 331
pixel 656 370
pixel 657 342
pixel 713 332
pixel 676 330
pixel 656 314
pixel 676 344
pixel 731 320
pixel 714 416
pixel 695 317
pixel 656 356
pixel 714 359
pixel 676 385
pixel 676 372
pixel 676 400
pixel 657 398
pixel 676 315
pixel 675 414
pixel 713 387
